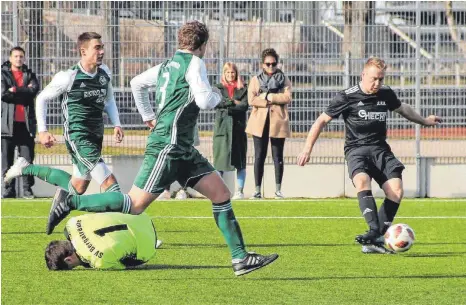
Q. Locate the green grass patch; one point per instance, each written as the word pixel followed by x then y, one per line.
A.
pixel 319 262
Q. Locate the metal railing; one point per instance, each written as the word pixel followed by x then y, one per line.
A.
pixel 427 67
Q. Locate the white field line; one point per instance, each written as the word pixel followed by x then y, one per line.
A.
pixel 260 217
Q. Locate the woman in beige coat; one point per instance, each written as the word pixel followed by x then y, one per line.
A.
pixel 269 94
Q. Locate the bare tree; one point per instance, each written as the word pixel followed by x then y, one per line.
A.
pixel 355 13
pixel 453 28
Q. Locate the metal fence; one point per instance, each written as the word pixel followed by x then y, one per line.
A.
pixel 322 47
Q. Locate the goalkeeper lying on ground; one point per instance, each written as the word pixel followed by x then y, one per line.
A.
pixel 103 241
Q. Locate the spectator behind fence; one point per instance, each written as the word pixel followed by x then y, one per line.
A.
pixel 19 88
pixel 230 139
pixel 269 94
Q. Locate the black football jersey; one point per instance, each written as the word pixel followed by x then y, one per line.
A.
pixel 365 115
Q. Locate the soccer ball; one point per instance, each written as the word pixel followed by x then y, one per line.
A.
pixel 399 237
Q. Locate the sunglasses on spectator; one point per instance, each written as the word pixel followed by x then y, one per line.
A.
pixel 268 64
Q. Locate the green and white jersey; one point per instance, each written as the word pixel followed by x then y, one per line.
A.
pixel 112 240
pixel 85 97
pixel 181 89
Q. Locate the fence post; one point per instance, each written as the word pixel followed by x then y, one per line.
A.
pixel 418 98
pixel 402 76
pixel 122 73
pixel 15 23
pixel 429 74
pixel 221 42
pixel 57 36
pixel 347 77
pixel 457 74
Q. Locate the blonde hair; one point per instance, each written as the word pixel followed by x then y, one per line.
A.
pixel 239 80
pixel 376 62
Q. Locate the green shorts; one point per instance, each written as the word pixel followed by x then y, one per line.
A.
pixel 85 153
pixel 166 164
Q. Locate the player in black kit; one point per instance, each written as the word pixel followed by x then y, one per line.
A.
pixel 364 110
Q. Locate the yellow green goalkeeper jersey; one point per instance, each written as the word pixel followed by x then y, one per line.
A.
pixel 112 240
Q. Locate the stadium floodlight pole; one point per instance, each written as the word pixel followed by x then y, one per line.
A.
pixel 418 99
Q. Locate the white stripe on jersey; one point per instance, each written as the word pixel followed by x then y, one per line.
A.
pixel 177 116
pixel 352 89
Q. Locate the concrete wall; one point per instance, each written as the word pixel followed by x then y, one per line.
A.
pixel 311 181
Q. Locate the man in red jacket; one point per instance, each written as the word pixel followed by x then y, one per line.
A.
pixel 19 88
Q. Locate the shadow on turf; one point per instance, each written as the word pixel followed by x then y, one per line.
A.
pixel 258 245
pixel 323 278
pixel 437 254
pixel 439 244
pixel 176 267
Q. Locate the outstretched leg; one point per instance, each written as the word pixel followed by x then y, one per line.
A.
pixel 213 187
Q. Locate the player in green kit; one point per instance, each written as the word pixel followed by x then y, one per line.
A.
pixel 103 241
pixel 182 88
pixel 86 92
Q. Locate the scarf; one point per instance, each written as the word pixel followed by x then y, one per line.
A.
pixel 230 88
pixel 271 83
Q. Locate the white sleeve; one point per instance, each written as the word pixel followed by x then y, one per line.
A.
pixel 111 107
pixel 106 69
pixel 196 76
pixel 140 85
pixel 59 85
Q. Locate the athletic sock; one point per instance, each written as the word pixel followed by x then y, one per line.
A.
pixel 50 175
pixel 258 188
pixel 103 202
pixel 368 209
pixel 387 213
pixel 226 222
pixel 241 178
pixel 278 187
pixel 113 188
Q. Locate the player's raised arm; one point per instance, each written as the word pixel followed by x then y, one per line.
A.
pixel 59 85
pixel 204 95
pixel 140 85
pixel 409 113
pixel 312 137
pixel 334 110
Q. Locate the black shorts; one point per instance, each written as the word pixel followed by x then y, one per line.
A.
pixel 377 162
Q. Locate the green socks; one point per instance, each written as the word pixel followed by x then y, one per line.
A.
pixel 50 175
pixel 58 177
pixel 113 188
pixel 226 222
pixel 104 202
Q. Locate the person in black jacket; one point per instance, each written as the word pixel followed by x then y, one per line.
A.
pixel 230 139
pixel 19 88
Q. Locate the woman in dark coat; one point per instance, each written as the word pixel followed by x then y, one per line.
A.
pixel 230 140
